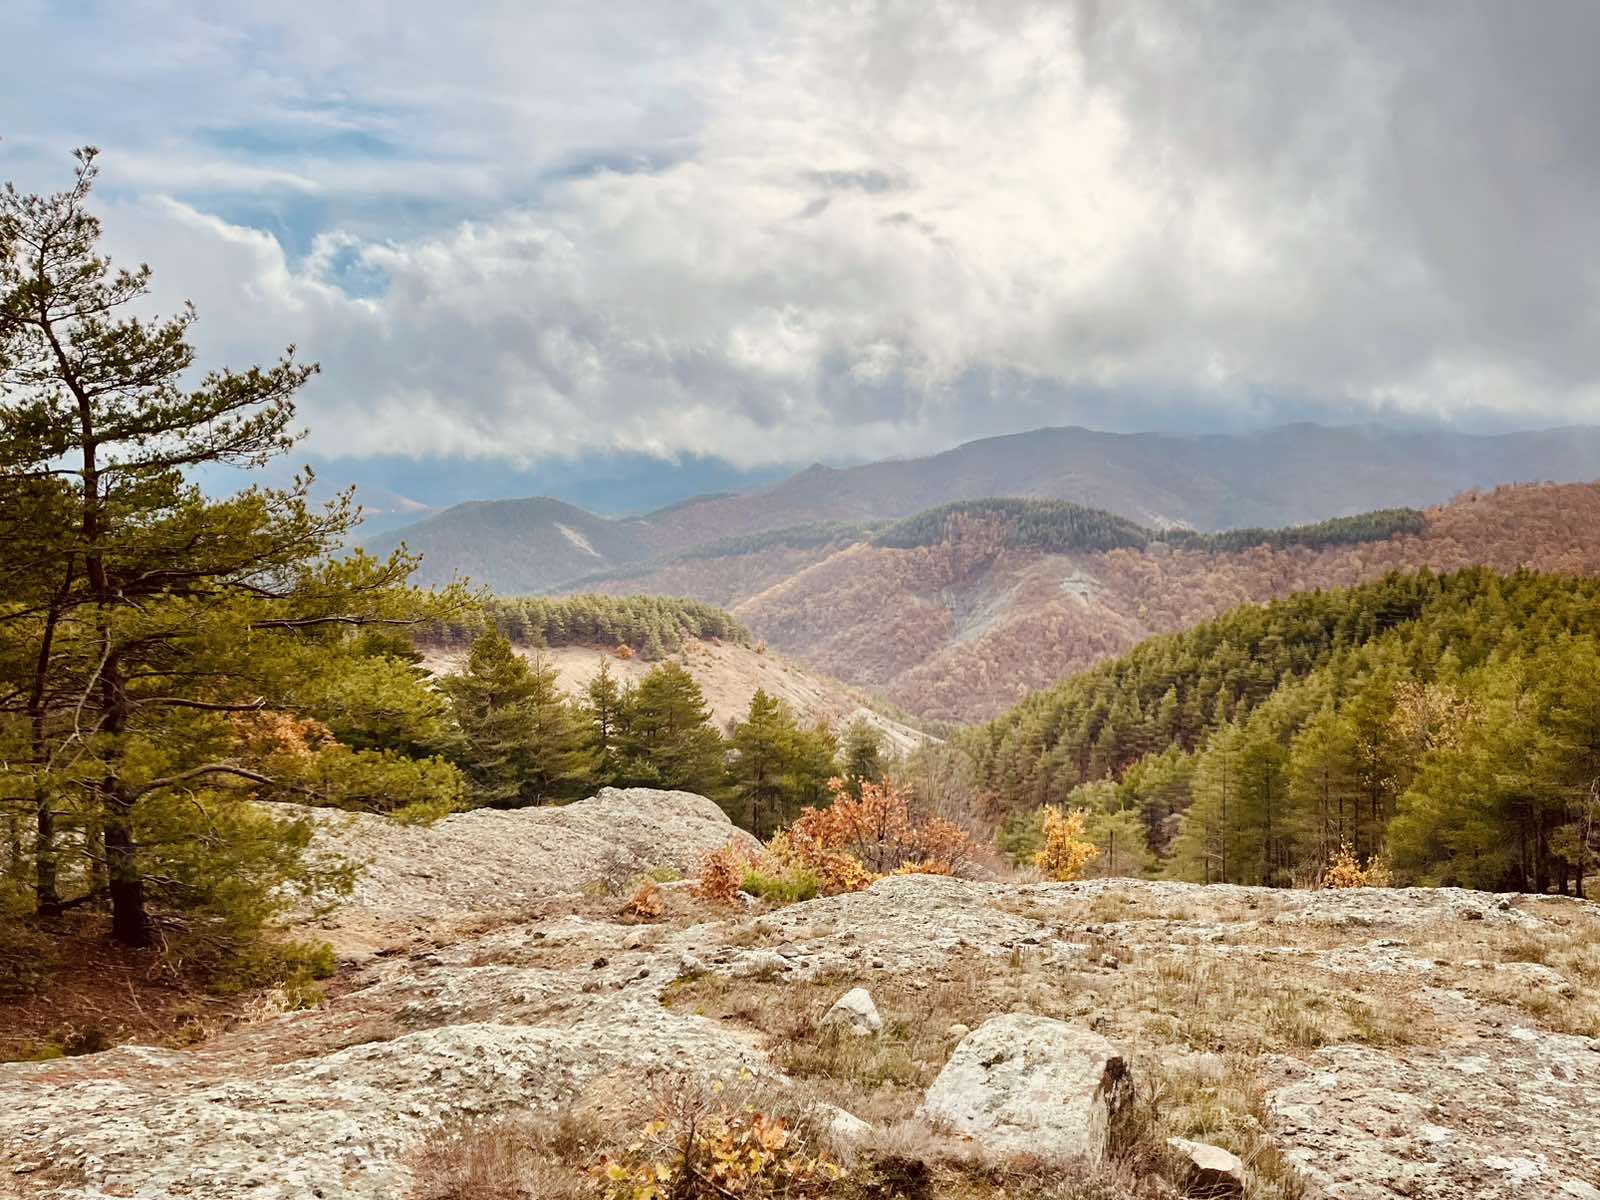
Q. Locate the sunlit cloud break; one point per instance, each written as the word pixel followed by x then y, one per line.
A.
pixel 793 232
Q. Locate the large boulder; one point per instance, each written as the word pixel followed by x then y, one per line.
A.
pixel 1024 1084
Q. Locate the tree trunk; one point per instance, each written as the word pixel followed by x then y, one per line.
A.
pixel 46 894
pixel 129 923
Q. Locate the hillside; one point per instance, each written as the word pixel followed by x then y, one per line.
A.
pixel 959 626
pixel 728 673
pixel 1286 476
pixel 1448 722
pixel 514 545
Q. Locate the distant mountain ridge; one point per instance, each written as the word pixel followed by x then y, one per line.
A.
pixel 515 546
pixel 1291 475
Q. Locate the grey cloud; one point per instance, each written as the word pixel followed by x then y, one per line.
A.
pixel 871 181
pixel 779 232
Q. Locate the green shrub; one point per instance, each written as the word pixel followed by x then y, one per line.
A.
pixel 791 887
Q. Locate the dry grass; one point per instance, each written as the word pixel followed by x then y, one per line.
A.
pixel 1189 1001
pixel 1213 1099
pixel 554 1158
pixel 530 1158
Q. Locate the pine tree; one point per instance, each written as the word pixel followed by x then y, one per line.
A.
pixel 149 633
pixel 517 739
pixel 605 703
pixel 863 755
pixel 666 739
pixel 765 747
pixel 1323 787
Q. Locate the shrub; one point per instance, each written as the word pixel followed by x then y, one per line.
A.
pixel 697 1149
pixel 722 873
pixel 789 887
pixel 1344 870
pixel 879 833
pixel 1066 851
pixel 647 903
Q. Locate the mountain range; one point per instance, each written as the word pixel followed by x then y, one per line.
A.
pixel 957 614
pixel 1284 476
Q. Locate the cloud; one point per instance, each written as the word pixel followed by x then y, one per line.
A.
pixel 773 234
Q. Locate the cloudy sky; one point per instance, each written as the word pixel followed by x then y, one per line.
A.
pixel 522 234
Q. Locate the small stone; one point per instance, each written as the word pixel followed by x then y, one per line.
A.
pixel 845 1129
pixel 633 940
pixel 958 1031
pixel 689 966
pixel 1211 1173
pixel 598 963
pixel 854 1012
pixel 760 962
pixel 1110 960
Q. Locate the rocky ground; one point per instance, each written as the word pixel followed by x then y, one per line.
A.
pixel 1367 1044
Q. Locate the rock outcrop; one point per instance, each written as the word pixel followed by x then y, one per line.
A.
pixel 1022 1084
pixel 486 861
pixel 1401 1045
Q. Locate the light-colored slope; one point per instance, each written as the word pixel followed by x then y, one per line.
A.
pixel 729 675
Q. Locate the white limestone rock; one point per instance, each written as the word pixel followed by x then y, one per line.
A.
pixel 854 1012
pixel 1211 1173
pixel 1024 1084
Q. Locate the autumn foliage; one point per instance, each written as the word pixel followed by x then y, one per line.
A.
pixel 710 1155
pixel 1066 850
pixel 647 902
pixel 721 873
pixel 848 844
pixel 878 830
pixel 1345 870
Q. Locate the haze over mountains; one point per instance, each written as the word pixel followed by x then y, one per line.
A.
pixel 1284 476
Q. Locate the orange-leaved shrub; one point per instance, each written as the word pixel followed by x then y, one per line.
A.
pixel 647 903
pixel 845 846
pixel 1345 870
pixel 722 871
pixel 1066 850
pixel 715 1153
pixel 858 838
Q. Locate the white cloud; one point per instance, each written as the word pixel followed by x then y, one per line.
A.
pixel 778 234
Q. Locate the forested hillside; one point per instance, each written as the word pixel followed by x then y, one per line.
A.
pixel 733 569
pixel 650 626
pixel 1451 723
pixel 970 608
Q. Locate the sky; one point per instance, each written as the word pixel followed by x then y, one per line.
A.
pixel 715 240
